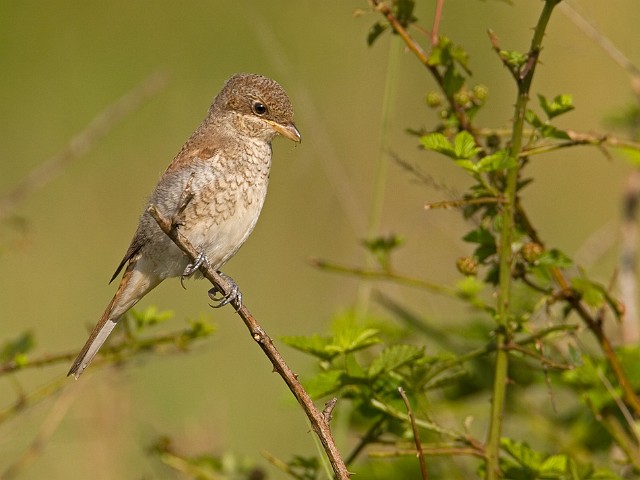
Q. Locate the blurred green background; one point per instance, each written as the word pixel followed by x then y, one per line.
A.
pixel 64 62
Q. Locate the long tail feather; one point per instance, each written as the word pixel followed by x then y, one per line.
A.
pixel 133 286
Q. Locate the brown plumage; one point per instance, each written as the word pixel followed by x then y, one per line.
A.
pixel 228 158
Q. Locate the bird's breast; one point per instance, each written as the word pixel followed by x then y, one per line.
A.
pixel 226 206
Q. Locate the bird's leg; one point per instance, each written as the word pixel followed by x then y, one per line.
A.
pixel 192 268
pixel 234 293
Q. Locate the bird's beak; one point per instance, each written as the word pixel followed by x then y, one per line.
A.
pixel 288 131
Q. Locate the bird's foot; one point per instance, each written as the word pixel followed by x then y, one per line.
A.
pixel 234 293
pixel 192 268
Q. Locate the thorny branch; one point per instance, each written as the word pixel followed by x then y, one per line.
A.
pixel 318 422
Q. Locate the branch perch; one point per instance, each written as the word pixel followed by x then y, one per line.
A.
pixel 318 422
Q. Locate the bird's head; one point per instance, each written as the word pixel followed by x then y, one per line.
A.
pixel 259 107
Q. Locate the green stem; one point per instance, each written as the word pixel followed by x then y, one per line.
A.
pixel 382 165
pixel 503 330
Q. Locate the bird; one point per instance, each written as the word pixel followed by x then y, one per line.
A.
pixel 225 165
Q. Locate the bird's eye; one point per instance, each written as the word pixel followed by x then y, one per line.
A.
pixel 259 108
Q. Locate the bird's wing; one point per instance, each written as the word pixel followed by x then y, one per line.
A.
pixel 134 248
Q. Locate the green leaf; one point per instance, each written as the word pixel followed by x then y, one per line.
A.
pixel 592 293
pixel 546 130
pixel 560 104
pixel 549 131
pixel 461 57
pixel 554 258
pixel 629 356
pixel 374 32
pixel 404 12
pixel 353 338
pixel 452 81
pixel 631 155
pixel 149 316
pixel 522 453
pixel 199 329
pixel 16 350
pixel 314 345
pixel 382 246
pixel 532 119
pixel 464 145
pixel 485 240
pixel 500 160
pixel 514 59
pixel 394 357
pixel 324 383
pixel 438 143
pixel 554 466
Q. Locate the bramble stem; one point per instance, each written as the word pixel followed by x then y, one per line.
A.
pixel 503 330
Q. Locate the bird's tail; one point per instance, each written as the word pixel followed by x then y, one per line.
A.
pixel 133 286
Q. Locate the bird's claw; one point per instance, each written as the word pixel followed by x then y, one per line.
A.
pixel 234 293
pixel 192 268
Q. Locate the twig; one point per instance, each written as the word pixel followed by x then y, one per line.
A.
pixel 448 204
pixel 318 423
pixel 459 112
pixel 436 23
pixel 141 344
pixel 432 451
pixel 575 139
pixel 416 435
pixel 82 143
pixel 49 426
pixel 281 465
pixel 370 274
pixel 369 437
pixel 32 398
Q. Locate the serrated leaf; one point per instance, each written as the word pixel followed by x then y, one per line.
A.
pixel 314 345
pixel 353 338
pixel 440 54
pixel 479 235
pixel 394 357
pixel 438 143
pixel 468 165
pixel 522 453
pixel 16 349
pixel 549 131
pixel 592 293
pixel 464 145
pixel 324 383
pixel 485 240
pixel 532 118
pixel 560 104
pixel 460 56
pixel 555 464
pixel 500 160
pixel 513 58
pixel 374 32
